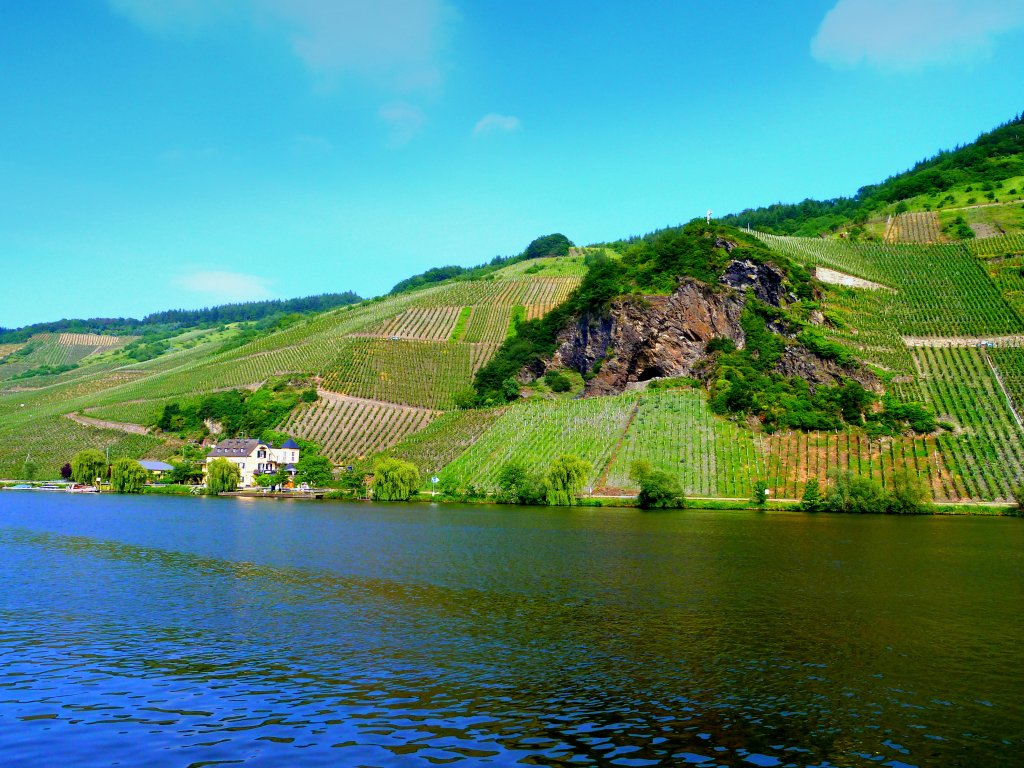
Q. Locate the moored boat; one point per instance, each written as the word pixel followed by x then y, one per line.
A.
pixel 79 488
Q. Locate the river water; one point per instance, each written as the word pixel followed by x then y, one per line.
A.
pixel 191 632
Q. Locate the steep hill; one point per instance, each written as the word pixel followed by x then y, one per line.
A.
pixel 719 355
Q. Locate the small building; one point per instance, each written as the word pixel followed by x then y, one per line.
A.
pixel 155 467
pixel 254 458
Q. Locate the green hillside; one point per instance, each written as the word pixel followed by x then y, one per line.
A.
pixel 430 372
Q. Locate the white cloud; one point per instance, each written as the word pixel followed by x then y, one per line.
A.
pixel 495 123
pixel 907 35
pixel 396 44
pixel 175 17
pixel 404 120
pixel 226 286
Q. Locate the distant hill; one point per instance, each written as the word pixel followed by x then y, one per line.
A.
pixel 249 311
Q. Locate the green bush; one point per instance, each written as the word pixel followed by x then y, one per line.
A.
pixel 557 381
pixel 517 485
pixel 317 471
pixel 658 489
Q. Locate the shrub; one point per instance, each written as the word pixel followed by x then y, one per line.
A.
pixel 565 479
pixel 395 480
pixel 909 495
pixel 760 494
pixel 557 381
pixel 222 476
pixel 853 493
pixel 660 490
pixel 128 476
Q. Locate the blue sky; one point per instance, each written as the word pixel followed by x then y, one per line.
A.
pixel 180 153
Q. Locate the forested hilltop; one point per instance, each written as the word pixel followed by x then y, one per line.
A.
pixel 173 319
pixel 875 367
pixel 993 166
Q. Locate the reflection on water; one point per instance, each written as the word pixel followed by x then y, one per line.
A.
pixel 188 632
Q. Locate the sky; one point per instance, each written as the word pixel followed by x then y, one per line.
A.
pixel 159 154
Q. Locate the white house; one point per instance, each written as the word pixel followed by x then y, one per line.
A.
pixel 254 458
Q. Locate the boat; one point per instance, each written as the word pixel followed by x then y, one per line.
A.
pixel 52 487
pixel 19 487
pixel 79 488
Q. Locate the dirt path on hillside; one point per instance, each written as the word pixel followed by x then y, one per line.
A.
pixel 119 426
pixel 337 397
pixel 963 341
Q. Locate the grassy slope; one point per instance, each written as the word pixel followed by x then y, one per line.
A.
pixel 338 348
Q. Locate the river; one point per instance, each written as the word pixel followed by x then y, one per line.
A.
pixel 155 631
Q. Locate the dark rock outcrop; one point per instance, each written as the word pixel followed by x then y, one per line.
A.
pixel 766 281
pixel 799 362
pixel 639 339
pixel 642 339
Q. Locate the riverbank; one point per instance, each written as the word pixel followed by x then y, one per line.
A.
pixel 978 508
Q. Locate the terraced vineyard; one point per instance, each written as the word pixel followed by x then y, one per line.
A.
pixel 53 440
pixel 51 349
pixel 914 227
pixel 348 428
pixel 445 439
pixel 535 433
pixel 420 323
pixel 985 454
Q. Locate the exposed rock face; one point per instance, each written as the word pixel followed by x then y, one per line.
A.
pixel 766 281
pixel 798 361
pixel 642 339
pixel 645 339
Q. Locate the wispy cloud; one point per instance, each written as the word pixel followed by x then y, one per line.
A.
pixel 908 35
pixel 404 122
pixel 226 286
pixel 495 123
pixel 395 44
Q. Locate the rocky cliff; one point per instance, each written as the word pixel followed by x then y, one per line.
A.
pixel 643 338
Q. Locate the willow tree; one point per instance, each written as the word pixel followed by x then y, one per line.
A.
pixel 222 475
pixel 395 480
pixel 128 476
pixel 88 465
pixel 565 480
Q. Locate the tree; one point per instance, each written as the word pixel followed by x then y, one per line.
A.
pixel 128 476
pixel 222 475
pixel 760 495
pixel 29 469
pixel 65 471
pixel 264 481
pixel 87 465
pixel 395 480
pixel 660 490
pixel 185 472
pixel 317 471
pixel 853 493
pixel 510 389
pixel 557 381
pixel 518 485
pixel 909 495
pixel 565 479
pixel 811 501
